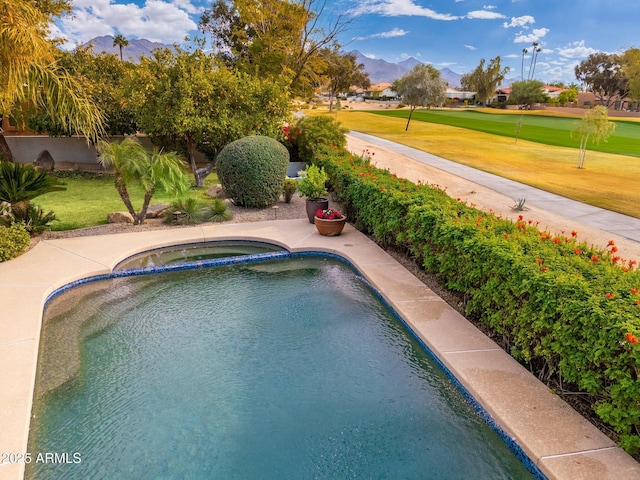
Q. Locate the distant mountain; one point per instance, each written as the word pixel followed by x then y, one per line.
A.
pixel 409 63
pixel 132 52
pixel 381 71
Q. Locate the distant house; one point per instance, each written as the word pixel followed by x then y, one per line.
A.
pixel 552 92
pixel 380 91
pixel 455 94
pixel 502 94
pixel 589 100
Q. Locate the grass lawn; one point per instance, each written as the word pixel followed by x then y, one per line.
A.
pixel 90 198
pixel 608 181
pixel 545 129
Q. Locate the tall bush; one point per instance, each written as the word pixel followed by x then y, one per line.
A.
pixel 252 170
pixel 315 131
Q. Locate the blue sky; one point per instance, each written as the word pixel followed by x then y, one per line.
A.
pixel 445 33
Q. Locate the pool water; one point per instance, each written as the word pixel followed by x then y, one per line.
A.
pixel 275 370
pixel 196 252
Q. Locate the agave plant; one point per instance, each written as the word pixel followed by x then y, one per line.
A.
pixel 20 183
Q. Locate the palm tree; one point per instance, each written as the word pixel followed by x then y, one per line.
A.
pixel 120 41
pixel 133 165
pixel 524 52
pixel 30 75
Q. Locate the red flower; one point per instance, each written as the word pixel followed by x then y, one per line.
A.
pixel 574 233
pixel 611 242
pixel 577 251
pixel 539 261
pixel 614 249
pixel 610 296
pixel 631 338
pixel 594 258
pixel 556 240
pixel 634 291
pixel 544 269
pixel 329 214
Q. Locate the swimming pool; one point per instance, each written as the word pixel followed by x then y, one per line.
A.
pixel 287 369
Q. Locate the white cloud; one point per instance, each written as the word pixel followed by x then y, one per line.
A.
pixel 484 15
pixel 489 7
pixel 156 20
pixel 394 8
pixel 521 22
pixel 534 36
pixel 396 32
pixel 372 56
pixel 470 47
pixel 576 50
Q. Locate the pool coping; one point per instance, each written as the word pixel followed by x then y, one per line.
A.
pixel 559 441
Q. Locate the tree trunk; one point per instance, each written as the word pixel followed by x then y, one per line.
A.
pixel 124 195
pixel 5 151
pixel 331 102
pixel 583 150
pixel 141 216
pixel 409 119
pixel 191 158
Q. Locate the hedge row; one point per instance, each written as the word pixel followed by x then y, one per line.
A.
pixel 569 308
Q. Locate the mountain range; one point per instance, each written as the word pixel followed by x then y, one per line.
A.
pixel 380 71
pixel 132 52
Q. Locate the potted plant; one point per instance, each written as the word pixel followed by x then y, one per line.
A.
pixel 312 186
pixel 329 222
pixel 288 189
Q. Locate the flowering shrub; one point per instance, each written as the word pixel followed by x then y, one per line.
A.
pixel 569 308
pixel 329 214
pixel 289 138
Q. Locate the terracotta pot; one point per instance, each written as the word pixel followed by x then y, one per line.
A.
pixel 329 228
pixel 313 205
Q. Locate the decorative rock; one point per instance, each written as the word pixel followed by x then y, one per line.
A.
pixel 119 217
pixel 156 210
pixel 216 191
pixel 44 161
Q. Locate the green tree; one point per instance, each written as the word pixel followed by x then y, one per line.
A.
pixel 595 126
pixel 526 93
pixel 603 75
pixel 631 70
pixel 186 100
pixel 342 71
pixel 121 41
pixel 421 87
pixel 103 77
pixel 272 38
pixel 30 75
pixel 133 165
pixel 484 81
pixel 570 95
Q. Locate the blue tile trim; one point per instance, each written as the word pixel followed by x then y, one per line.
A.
pixel 282 255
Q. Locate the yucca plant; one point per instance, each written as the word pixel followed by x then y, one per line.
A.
pixel 21 183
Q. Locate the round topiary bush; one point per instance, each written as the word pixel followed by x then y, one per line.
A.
pixel 252 170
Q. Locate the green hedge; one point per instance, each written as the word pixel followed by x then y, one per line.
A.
pixel 14 240
pixel 570 309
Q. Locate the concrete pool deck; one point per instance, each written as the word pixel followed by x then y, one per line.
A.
pixel 556 438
